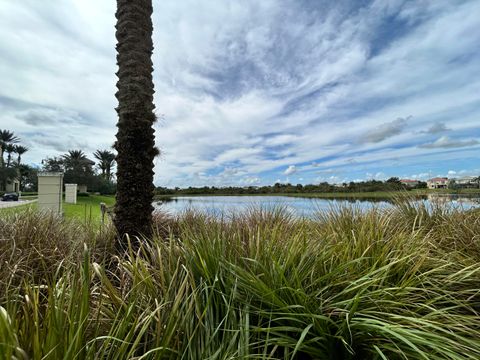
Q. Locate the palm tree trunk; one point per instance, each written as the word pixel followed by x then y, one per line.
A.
pixel 135 137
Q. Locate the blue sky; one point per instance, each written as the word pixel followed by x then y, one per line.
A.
pixel 253 92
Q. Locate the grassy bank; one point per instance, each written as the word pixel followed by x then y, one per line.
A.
pixel 396 284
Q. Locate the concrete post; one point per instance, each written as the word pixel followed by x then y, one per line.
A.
pixel 50 186
pixel 71 193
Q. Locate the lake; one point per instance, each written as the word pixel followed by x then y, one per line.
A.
pixel 302 207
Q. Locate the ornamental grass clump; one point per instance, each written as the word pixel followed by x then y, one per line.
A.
pixel 401 283
pixel 34 246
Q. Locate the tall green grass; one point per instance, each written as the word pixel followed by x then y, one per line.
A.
pixel 384 284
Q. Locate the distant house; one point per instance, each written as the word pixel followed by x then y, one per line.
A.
pixel 467 182
pixel 437 183
pixel 409 183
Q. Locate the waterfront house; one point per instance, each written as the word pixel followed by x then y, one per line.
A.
pixel 467 182
pixel 437 183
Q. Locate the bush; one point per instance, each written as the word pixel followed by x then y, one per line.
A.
pixel 103 186
pixel 83 194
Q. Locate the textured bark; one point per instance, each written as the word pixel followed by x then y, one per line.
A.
pixel 135 143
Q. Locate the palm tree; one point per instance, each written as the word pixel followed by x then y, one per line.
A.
pixel 9 149
pixel 74 159
pixel 6 137
pixel 20 150
pixel 106 162
pixel 135 143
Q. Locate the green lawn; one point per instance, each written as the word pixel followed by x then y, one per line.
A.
pixel 16 209
pixel 86 209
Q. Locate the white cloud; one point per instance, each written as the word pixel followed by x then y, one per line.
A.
pixel 249 88
pixel 446 142
pixel 384 131
pixel 251 180
pixel 421 176
pixel 240 154
pixel 377 176
pixel 292 169
pixel 437 128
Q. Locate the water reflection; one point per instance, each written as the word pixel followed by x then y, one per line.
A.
pixel 304 207
pixel 455 199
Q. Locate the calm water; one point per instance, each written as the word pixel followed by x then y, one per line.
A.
pixel 303 207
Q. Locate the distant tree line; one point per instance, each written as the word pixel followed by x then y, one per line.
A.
pixel 392 184
pixel 97 175
pixel 78 169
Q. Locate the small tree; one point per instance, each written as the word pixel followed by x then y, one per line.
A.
pixel 54 164
pixel 452 184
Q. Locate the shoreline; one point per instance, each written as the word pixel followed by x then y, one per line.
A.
pixel 346 195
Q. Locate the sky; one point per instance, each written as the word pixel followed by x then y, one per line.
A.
pixel 256 92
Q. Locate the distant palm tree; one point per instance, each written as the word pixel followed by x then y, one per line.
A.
pixel 106 162
pixel 74 159
pixel 6 137
pixel 135 143
pixel 9 149
pixel 20 150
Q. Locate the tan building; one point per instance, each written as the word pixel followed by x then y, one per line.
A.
pixel 437 183
pixel 12 186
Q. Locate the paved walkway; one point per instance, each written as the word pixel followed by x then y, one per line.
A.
pixel 7 204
